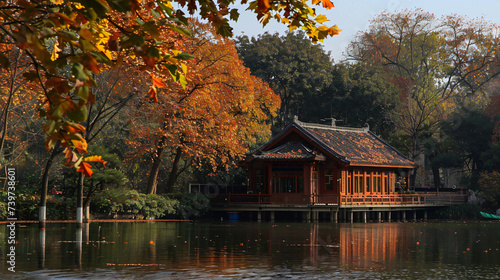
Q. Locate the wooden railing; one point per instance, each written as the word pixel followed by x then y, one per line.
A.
pixel 444 198
pixel 326 199
pixel 392 199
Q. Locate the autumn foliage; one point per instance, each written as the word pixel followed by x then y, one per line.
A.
pixel 215 117
pixel 67 43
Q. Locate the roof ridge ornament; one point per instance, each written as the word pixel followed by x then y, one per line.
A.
pixel 330 127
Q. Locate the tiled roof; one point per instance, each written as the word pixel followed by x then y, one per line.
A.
pixel 353 146
pixel 290 150
pixel 359 147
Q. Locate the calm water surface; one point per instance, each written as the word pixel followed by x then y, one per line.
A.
pixel 243 250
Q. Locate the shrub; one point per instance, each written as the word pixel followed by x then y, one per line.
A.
pixel 131 202
pixel 3 211
pixel 489 186
pixel 193 205
pixel 459 212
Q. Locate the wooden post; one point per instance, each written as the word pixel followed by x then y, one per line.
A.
pixel 403 216
pixel 364 217
pixel 272 216
pixel 334 216
pixel 389 216
pixel 259 216
pixel 414 215
pixel 270 179
pixel 425 215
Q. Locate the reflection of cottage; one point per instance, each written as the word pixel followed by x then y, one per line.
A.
pixel 313 163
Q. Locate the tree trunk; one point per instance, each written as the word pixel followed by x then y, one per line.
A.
pixel 172 178
pixel 436 177
pixel 45 185
pixel 5 115
pixel 155 169
pixel 79 201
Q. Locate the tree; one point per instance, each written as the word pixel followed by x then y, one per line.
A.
pixel 431 61
pixel 294 68
pixel 68 42
pixel 360 94
pixel 213 119
pixel 18 100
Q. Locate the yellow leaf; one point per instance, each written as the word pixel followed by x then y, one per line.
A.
pixel 321 19
pixel 184 68
pixel 55 51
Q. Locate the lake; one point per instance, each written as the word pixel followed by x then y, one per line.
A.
pixel 252 250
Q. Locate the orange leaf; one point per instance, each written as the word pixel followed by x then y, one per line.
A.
pixel 73 128
pixel 85 169
pixel 95 159
pixel 91 63
pixel 157 82
pixel 80 146
pixel 263 6
pixel 327 4
pixel 152 93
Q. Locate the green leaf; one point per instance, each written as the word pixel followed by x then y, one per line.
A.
pixel 4 61
pixel 234 14
pixel 68 35
pixel 30 76
pixel 132 40
pixel 184 56
pixel 151 29
pixel 100 8
pixel 83 93
pixel 180 30
pixel 224 29
pixel 172 69
pixel 165 8
pixel 42 113
pixel 89 14
pixel 120 5
pixel 100 57
pixel 153 52
pixel 79 115
pixel 78 72
pixel 155 14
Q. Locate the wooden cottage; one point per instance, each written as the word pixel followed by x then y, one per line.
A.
pixel 327 164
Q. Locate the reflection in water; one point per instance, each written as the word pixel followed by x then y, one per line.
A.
pixel 41 249
pixel 260 249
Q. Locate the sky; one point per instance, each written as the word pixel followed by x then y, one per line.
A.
pixel 353 16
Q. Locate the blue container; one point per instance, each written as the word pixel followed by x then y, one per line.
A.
pixel 234 216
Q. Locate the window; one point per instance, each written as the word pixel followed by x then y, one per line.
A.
pixel 259 180
pixel 329 180
pixel 288 182
pixel 376 177
pixel 368 184
pixel 349 182
pixel 358 181
pixel 388 182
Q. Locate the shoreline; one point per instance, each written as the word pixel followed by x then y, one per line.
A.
pixel 97 221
